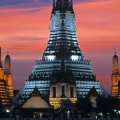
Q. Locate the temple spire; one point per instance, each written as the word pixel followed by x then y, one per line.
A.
pixel 1 70
pixel 115 85
pixel 115 69
pixel 62 4
pixel 0 58
pixel 8 75
pixel 53 3
pixel 72 4
pixel 7 64
pixel 0 53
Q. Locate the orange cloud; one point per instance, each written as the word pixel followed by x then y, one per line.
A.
pixel 98 22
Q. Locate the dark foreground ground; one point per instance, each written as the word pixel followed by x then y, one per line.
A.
pixel 62 119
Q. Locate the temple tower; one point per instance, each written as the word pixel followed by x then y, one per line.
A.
pixel 3 90
pixel 62 33
pixel 115 76
pixel 1 69
pixel 62 62
pixel 8 76
pixel 115 67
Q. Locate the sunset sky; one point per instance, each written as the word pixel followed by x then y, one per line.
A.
pixel 24 32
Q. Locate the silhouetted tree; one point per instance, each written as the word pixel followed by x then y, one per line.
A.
pixel 2 112
pixel 108 105
pixel 85 106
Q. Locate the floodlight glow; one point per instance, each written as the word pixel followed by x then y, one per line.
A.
pixel 7 111
pixel 74 57
pixel 51 57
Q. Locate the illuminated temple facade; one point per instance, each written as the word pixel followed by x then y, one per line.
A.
pixel 115 88
pixel 6 89
pixel 62 72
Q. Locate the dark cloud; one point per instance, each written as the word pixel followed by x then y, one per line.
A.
pixel 32 3
pixel 15 2
pixel 26 38
pixel 24 3
pixel 89 0
pixel 29 11
pixel 17 43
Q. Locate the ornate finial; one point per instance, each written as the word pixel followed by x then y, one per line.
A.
pixel 0 53
pixel 115 51
pixel 53 3
pixel 71 3
pixel 7 52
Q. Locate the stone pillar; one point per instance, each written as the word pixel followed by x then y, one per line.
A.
pixel 68 115
pixel 40 115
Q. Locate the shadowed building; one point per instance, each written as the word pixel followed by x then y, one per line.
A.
pixel 115 77
pixel 5 96
pixel 62 66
